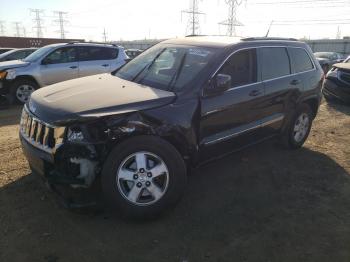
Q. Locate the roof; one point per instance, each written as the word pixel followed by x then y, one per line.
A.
pixel 223 41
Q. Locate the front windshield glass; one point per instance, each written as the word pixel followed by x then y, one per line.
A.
pixel 7 53
pixel 166 67
pixel 37 54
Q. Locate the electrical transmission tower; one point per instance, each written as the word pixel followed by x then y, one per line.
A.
pixel 38 22
pixel 193 17
pixel 17 28
pixel 61 23
pixel 104 35
pixel 231 22
pixel 2 28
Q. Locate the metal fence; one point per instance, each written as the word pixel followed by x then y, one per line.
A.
pixel 330 45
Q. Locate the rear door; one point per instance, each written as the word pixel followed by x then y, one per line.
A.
pixel 230 120
pixel 95 60
pixel 281 87
pixel 59 65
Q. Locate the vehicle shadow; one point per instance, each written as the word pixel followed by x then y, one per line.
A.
pixel 262 204
pixel 10 115
pixel 339 106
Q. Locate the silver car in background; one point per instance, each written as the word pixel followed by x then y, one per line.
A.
pixel 56 63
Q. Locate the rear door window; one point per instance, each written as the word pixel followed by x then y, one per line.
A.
pixel 274 62
pixel 242 68
pixel 300 60
pixel 93 53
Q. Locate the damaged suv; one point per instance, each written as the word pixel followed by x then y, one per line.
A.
pixel 134 133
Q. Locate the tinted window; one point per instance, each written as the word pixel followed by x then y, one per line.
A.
pixel 91 53
pixel 300 60
pixel 61 55
pixel 274 62
pixel 241 66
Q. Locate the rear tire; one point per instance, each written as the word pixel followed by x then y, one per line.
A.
pixel 129 185
pixel 299 127
pixel 21 90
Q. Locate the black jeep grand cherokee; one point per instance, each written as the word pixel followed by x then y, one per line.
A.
pixel 134 133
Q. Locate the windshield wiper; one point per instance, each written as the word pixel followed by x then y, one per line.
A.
pixel 178 72
pixel 148 67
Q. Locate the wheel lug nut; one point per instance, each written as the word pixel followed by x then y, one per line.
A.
pixel 149 174
pixel 136 176
pixel 148 183
pixel 139 184
pixel 142 170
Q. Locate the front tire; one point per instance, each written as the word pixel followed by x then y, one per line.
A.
pixel 21 91
pixel 299 127
pixel 143 176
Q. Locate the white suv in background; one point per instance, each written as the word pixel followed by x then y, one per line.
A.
pixel 56 63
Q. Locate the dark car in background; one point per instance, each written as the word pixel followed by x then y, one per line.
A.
pixel 132 53
pixel 16 54
pixel 133 134
pixel 327 59
pixel 337 83
pixel 5 49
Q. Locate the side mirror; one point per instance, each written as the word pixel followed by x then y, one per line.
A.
pixel 46 61
pixel 219 84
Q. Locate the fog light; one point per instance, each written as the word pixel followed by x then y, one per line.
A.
pixel 75 135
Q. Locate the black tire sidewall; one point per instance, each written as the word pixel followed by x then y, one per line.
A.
pixel 303 108
pixel 13 97
pixel 155 145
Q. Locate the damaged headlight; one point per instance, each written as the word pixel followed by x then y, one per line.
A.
pixel 11 74
pixel 75 135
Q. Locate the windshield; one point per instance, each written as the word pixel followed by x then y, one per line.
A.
pixel 37 54
pixel 7 53
pixel 166 67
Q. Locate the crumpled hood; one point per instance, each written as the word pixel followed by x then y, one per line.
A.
pixel 94 96
pixel 12 64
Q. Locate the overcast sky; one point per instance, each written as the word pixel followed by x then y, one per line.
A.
pixel 139 19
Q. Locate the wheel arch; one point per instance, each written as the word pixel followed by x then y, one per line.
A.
pixel 26 77
pixel 313 103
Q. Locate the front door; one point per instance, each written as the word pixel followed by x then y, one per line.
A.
pixel 60 65
pixel 231 120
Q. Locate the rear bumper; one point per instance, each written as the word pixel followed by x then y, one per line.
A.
pixel 336 89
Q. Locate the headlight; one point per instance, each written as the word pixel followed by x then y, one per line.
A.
pixel 3 74
pixel 333 73
pixel 75 135
pixel 11 74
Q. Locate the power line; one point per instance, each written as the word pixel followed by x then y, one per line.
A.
pixel 61 22
pixel 2 28
pixel 193 17
pixel 38 22
pixel 231 22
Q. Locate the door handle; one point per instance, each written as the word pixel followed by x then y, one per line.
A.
pixel 73 67
pixel 105 65
pixel 255 92
pixel 295 82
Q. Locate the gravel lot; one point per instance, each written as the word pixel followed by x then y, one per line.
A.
pixel 262 204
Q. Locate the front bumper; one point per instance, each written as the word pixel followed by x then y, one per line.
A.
pixel 335 88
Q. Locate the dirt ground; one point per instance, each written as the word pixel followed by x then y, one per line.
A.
pixel 262 204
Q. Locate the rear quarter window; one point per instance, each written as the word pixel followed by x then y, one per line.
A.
pixel 300 60
pixel 92 53
pixel 274 62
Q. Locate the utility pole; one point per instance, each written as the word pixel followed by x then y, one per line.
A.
pixel 61 23
pixel 193 16
pixel 38 22
pixel 24 31
pixel 231 22
pixel 17 28
pixel 104 34
pixel 2 28
pixel 338 36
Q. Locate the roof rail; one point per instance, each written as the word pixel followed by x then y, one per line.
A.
pixel 268 38
pixel 98 43
pixel 194 35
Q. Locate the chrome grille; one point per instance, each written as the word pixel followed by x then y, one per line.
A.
pixel 345 77
pixel 41 135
